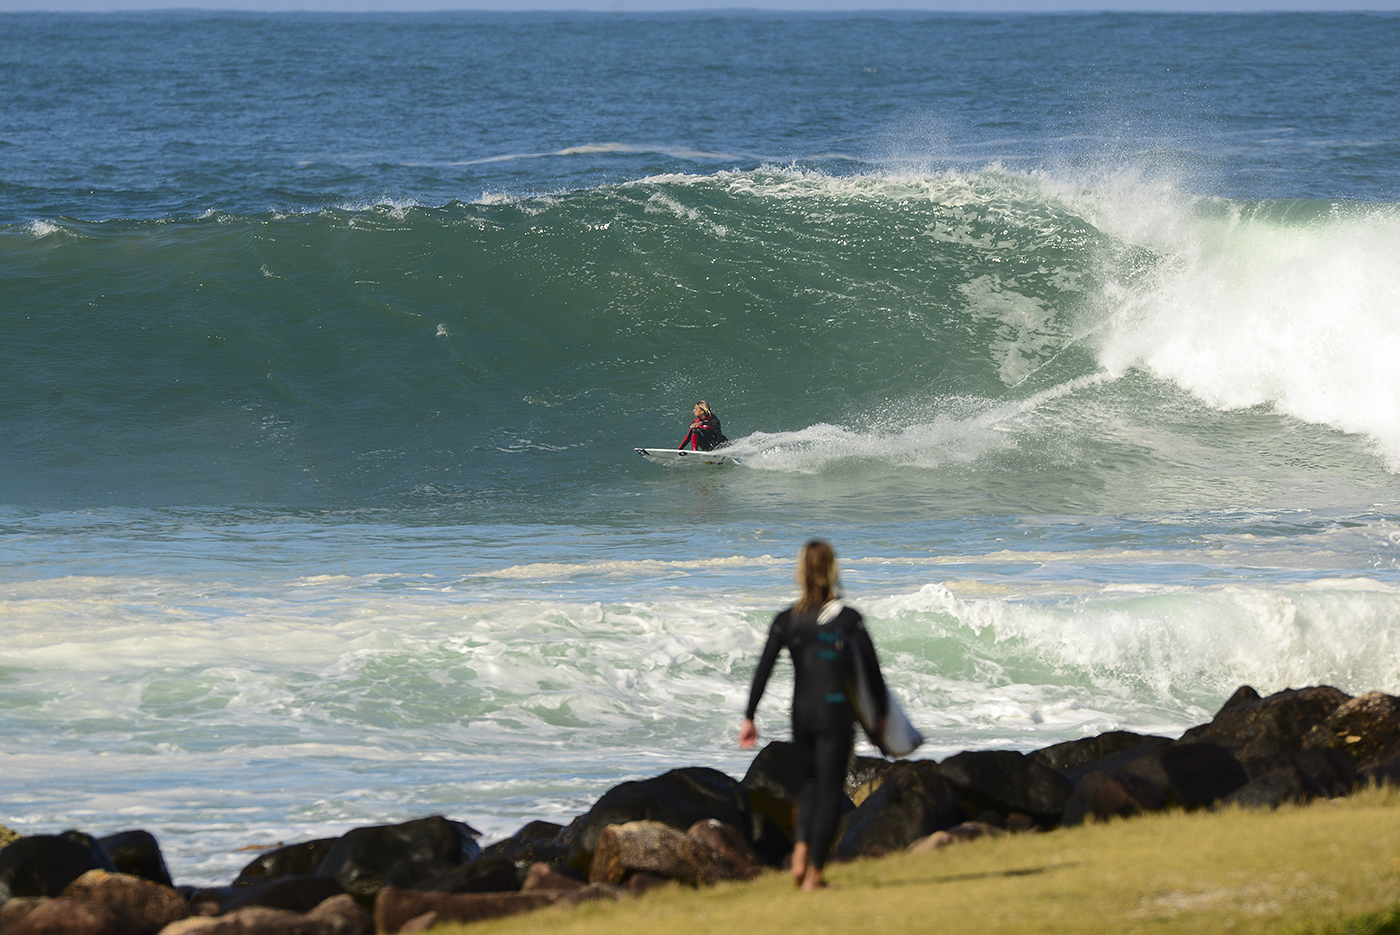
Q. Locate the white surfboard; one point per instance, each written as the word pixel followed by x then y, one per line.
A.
pixel 680 457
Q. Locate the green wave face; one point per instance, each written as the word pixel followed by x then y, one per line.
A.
pixel 984 341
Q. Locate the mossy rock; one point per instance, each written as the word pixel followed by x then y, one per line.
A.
pixel 7 835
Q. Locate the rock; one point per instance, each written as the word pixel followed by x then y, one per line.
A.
pixel 1190 775
pixel 483 875
pixel 1287 784
pixel 70 915
pixel 867 771
pixel 1367 728
pixel 653 847
pixel 1007 781
pixel 365 859
pixel 677 799
pixel 43 864
pixel 545 877
pixel 149 906
pixel 593 892
pixel 13 911
pixel 1253 729
pixel 137 853
pixel 730 843
pixel 534 843
pixel 293 860
pixel 295 894
pixel 1071 755
pixel 339 915
pixel 395 907
pixel 7 835
pixel 913 801
pixel 1384 773
pixel 958 834
pixel 1329 770
pixel 1103 794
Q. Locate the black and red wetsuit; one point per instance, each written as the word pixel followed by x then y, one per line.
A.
pixel 704 435
pixel 823 721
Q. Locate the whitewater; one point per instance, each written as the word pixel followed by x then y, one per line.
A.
pixel 318 505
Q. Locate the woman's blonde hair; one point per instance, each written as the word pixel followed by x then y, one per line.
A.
pixel 816 574
pixel 705 410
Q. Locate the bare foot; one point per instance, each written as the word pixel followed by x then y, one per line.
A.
pixel 812 880
pixel 799 863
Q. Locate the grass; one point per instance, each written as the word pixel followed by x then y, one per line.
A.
pixel 1329 868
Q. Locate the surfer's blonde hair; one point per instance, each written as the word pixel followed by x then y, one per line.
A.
pixel 816 574
pixel 705 410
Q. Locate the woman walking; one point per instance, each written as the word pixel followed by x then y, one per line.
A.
pixel 813 630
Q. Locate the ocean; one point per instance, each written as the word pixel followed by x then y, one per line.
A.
pixel 325 342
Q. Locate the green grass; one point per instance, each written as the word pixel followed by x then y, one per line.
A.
pixel 1330 868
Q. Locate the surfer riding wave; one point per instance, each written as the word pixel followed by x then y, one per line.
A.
pixel 705 434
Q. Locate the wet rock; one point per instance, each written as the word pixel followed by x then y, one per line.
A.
pixel 868 771
pixel 656 848
pixel 364 859
pixel 958 834
pixel 43 864
pixel 395 907
pixel 137 853
pixel 300 893
pixel 1007 781
pixel 1253 729
pixel 1103 794
pixel 1190 775
pixel 1072 755
pixel 677 799
pixel 293 860
pixel 148 906
pixel 913 801
pixel 1366 728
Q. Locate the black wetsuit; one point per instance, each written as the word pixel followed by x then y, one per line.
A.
pixel 823 721
pixel 704 435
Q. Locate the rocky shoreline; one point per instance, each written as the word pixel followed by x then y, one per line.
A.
pixel 699 826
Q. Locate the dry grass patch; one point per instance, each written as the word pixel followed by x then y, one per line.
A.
pixel 1306 869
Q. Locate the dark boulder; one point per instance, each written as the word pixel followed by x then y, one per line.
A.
pixel 867 770
pixel 1190 775
pixel 678 799
pixel 1070 756
pixel 300 893
pixel 362 859
pixel 1367 728
pixel 534 843
pixel 1007 781
pixel 1329 771
pixel 548 877
pixel 1253 729
pixel 483 875
pixel 1104 794
pixel 137 853
pixel 772 784
pixel 1384 773
pixel 292 860
pixel 958 834
pixel 43 864
pixel 1284 785
pixel 913 801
